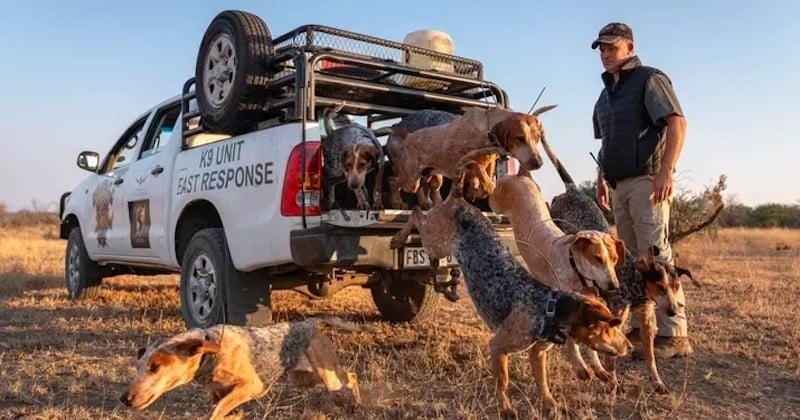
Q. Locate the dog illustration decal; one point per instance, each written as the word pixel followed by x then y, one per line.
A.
pixel 139 213
pixel 102 199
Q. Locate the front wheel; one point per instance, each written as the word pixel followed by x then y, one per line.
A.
pixel 405 296
pixel 81 274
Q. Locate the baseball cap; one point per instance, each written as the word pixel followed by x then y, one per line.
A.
pixel 612 33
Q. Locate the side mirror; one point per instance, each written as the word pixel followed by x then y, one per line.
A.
pixel 88 161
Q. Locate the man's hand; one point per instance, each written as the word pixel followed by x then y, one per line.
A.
pixel 602 194
pixel 662 186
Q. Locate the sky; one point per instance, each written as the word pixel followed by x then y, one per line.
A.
pixel 74 75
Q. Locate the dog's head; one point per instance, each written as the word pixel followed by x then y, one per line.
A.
pixel 520 134
pixel 357 160
pixel 591 323
pixel 661 280
pixel 596 256
pixel 166 365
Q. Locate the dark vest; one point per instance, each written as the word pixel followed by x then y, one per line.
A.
pixel 632 143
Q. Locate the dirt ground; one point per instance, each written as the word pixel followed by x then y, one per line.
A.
pixel 64 359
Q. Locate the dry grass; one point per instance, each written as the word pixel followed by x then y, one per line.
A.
pixel 63 359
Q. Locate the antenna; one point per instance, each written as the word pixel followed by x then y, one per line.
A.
pixel 537 100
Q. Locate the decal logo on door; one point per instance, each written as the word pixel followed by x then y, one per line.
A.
pixel 139 213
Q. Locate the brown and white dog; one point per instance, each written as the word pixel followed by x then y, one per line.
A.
pixel 567 262
pixel 439 149
pixel 350 152
pixel 238 364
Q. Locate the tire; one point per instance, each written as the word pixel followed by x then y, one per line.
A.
pixel 231 96
pixel 400 297
pixel 205 268
pixel 82 275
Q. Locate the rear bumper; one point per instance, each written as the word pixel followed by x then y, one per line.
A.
pixel 333 246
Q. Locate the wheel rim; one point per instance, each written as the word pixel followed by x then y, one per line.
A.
pixel 202 289
pixel 73 267
pixel 220 70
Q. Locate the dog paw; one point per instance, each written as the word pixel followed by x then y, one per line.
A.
pixel 584 374
pixel 397 242
pixel 426 205
pixel 604 376
pixel 661 388
pixel 508 413
pixel 551 408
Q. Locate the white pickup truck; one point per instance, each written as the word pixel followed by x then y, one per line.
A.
pixel 222 182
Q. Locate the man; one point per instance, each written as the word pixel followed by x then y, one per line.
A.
pixel 642 127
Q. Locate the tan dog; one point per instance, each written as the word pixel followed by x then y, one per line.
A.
pixel 439 149
pixel 565 262
pixel 436 228
pixel 238 364
pixel 546 249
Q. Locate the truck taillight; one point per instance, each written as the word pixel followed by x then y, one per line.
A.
pixel 297 179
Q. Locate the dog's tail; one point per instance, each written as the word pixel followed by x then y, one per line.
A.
pixel 562 172
pixel 340 324
pixel 327 118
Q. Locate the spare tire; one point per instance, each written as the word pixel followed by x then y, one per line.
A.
pixel 230 75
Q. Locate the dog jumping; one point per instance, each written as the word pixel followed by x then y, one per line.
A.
pixel 238 364
pixel 524 313
pixel 394 143
pixel 644 282
pixel 439 149
pixel 350 152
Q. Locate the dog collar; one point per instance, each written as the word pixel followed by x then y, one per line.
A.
pixel 550 307
pixel 552 330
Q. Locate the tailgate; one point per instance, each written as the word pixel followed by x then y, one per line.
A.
pixel 362 238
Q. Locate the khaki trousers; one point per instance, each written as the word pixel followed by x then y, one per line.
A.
pixel 641 224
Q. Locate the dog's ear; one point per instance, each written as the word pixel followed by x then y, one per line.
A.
pixel 593 311
pixel 371 153
pixel 140 352
pixel 194 346
pixel 645 261
pixel 543 109
pixel 680 271
pixel 500 132
pixel 581 242
pixel 343 156
pixel 590 291
pixel 620 246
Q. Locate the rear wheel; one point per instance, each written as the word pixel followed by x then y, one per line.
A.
pixel 230 72
pixel 405 296
pixel 213 291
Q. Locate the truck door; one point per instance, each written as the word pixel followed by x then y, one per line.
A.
pixel 104 209
pixel 144 192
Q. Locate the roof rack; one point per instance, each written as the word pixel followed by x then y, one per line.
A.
pixel 315 66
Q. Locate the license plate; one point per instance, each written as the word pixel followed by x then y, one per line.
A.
pixel 416 257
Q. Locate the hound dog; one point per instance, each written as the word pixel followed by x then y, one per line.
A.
pixel 350 152
pixel 523 312
pixel 644 282
pixel 439 149
pixel 238 364
pixel 394 143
